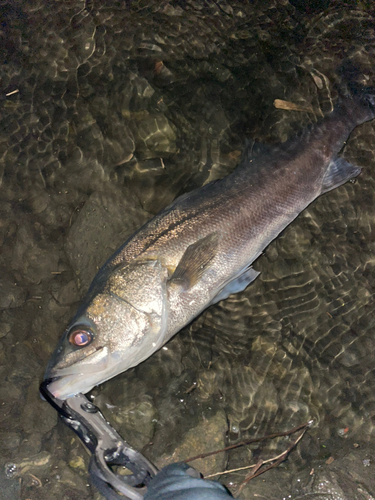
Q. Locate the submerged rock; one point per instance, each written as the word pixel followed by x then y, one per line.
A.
pixel 11 294
pixel 102 225
pixel 208 435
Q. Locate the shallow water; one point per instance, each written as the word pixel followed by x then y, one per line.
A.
pixel 108 112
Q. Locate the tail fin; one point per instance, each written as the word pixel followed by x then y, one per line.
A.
pixel 356 97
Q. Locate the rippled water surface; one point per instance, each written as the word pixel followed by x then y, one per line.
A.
pixel 109 110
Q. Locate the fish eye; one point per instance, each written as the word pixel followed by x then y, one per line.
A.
pixel 80 337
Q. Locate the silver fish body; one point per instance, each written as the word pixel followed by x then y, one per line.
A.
pixel 197 252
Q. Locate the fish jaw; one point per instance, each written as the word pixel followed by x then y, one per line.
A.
pixel 84 376
pixel 81 376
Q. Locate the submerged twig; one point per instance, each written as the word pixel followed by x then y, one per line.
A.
pixel 11 93
pixel 291 106
pixel 258 467
pixel 280 458
pixel 251 441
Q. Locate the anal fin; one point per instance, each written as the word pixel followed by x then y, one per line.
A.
pixel 338 172
pixel 238 284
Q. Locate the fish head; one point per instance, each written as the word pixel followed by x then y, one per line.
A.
pixel 123 323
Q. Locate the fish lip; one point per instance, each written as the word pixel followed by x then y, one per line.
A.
pixel 61 393
pixel 44 393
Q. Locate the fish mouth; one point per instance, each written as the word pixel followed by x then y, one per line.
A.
pixel 63 381
pixel 46 395
pixel 66 386
pixel 81 377
pixel 43 391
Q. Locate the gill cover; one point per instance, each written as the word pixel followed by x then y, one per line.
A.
pixel 138 287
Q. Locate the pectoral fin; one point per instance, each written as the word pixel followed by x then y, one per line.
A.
pixel 195 261
pixel 338 172
pixel 238 284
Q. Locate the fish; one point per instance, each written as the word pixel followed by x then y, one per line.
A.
pixel 198 251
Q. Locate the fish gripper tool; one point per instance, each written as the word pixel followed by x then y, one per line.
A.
pixel 106 446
